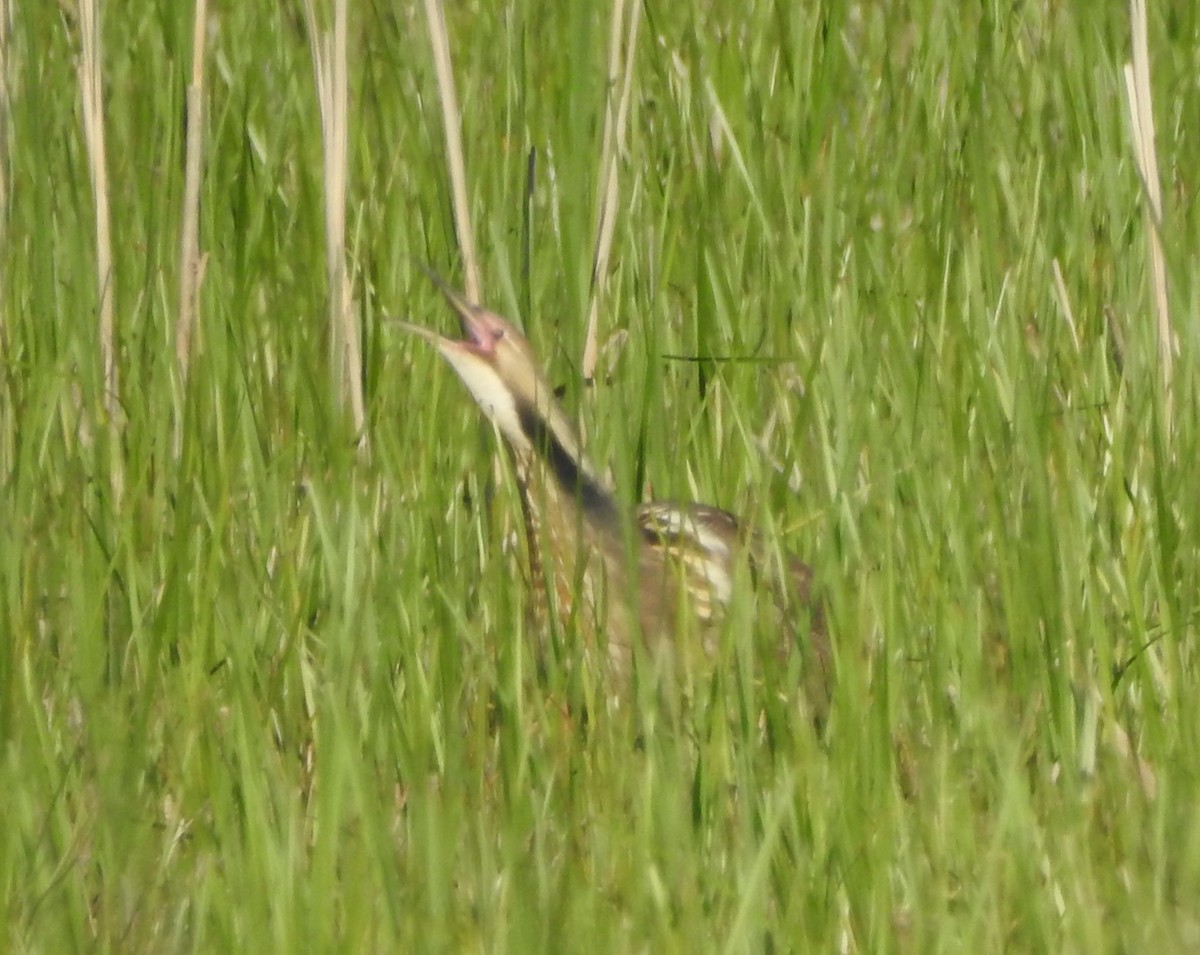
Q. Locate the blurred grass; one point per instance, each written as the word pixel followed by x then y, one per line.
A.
pixel 280 697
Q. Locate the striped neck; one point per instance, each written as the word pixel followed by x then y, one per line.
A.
pixel 568 511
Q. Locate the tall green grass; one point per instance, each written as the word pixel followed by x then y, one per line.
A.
pixel 279 693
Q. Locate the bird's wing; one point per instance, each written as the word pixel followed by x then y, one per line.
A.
pixel 705 543
pixel 701 541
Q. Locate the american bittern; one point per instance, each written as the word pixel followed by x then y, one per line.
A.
pixel 624 575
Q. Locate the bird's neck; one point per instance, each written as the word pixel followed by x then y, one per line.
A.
pixel 569 510
pixel 555 461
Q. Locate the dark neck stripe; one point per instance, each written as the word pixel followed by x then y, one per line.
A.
pixel 567 472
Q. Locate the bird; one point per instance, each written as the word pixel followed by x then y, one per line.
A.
pixel 653 575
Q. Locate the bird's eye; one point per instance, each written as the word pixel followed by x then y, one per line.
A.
pixel 498 334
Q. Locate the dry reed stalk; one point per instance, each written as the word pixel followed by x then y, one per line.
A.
pixel 190 262
pixel 608 193
pixel 329 66
pixel 1137 88
pixel 452 128
pixel 91 91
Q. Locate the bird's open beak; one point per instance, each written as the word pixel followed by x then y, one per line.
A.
pixel 439 341
pixel 475 341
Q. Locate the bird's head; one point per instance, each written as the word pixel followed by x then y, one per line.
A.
pixel 497 364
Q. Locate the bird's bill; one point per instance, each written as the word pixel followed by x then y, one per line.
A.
pixel 428 334
pixel 449 347
pixel 475 349
pixel 456 299
pixel 468 313
pixel 475 339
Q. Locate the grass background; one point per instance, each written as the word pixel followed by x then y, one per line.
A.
pixel 279 695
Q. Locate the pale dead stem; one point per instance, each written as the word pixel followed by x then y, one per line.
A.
pixel 7 448
pixel 190 263
pixel 452 128
pixel 5 94
pixel 1141 114
pixel 1137 88
pixel 329 67
pixel 616 115
pixel 93 132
